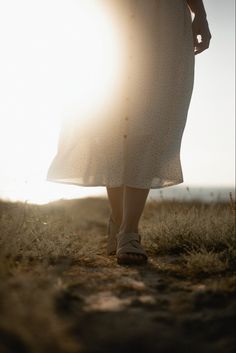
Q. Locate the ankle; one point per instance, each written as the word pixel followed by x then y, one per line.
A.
pixel 116 220
pixel 128 229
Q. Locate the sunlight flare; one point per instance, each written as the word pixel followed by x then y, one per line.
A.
pixel 59 58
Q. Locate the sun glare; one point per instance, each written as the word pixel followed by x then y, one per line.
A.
pixel 91 53
pixel 59 57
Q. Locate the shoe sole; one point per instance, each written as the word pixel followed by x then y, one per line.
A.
pixel 131 261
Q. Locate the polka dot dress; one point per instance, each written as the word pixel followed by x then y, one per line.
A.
pixel 135 138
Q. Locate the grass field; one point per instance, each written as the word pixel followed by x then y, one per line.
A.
pixel 60 292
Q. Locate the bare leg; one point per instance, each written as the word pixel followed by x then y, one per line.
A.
pixel 127 204
pixel 115 197
pixel 133 204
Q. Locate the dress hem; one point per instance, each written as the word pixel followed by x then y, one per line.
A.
pixel 170 183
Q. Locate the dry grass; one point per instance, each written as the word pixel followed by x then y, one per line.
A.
pixel 53 262
pixel 203 233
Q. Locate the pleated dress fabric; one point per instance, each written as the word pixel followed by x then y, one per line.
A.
pixel 135 139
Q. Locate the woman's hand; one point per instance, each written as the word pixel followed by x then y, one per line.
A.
pixel 200 28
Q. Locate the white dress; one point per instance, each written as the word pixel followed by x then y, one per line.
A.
pixel 135 139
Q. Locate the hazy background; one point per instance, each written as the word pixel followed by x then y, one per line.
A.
pixel 44 50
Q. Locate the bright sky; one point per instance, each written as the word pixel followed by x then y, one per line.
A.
pixel 42 69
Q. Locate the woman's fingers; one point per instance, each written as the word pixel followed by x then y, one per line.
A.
pixel 203 45
pixel 200 48
pixel 200 29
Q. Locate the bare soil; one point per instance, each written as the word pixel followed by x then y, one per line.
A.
pixel 60 292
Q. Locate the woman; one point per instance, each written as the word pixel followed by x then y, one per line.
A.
pixel 133 144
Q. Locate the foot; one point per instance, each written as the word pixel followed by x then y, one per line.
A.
pixel 129 249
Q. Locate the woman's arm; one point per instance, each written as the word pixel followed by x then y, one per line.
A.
pixel 197 7
pixel 200 26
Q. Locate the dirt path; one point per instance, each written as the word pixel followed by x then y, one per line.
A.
pixel 54 271
pixel 146 308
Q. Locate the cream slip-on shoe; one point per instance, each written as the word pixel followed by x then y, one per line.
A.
pixel 130 243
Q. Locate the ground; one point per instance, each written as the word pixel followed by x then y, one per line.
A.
pixel 60 292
